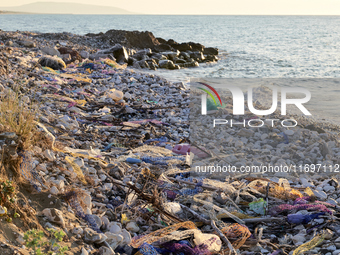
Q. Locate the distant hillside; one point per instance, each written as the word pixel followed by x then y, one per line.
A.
pixel 65 8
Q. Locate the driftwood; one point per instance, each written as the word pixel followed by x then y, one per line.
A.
pixel 223 237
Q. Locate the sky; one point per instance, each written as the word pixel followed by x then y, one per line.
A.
pixel 244 7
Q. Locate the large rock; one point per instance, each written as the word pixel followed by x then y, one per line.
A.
pixel 28 44
pixel 189 64
pixel 179 61
pixel 142 54
pixel 97 56
pixel 91 236
pixel 196 46
pixel 143 64
pixel 171 54
pixel 152 64
pixel 158 56
pixel 114 239
pixel 168 64
pixel 185 55
pixel 73 53
pixel 161 40
pixel 182 46
pixel 84 54
pixel 52 62
pixel 163 47
pixel 52 51
pixel 130 39
pixel 211 58
pixel 66 57
pixel 198 56
pixel 210 51
pixel 132 227
pixel 118 51
pixel 54 215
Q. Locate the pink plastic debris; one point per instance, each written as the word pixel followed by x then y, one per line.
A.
pixel 185 148
pixel 182 149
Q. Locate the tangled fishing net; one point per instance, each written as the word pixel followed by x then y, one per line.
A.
pixel 300 204
pixel 137 241
pixel 284 193
pixel 237 234
pixel 309 245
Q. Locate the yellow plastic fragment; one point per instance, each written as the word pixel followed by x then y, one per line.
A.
pixel 237 214
pixel 309 245
pixel 3 211
pixel 78 77
pixel 76 169
pixel 309 192
pixel 81 102
pixel 49 69
pixel 124 218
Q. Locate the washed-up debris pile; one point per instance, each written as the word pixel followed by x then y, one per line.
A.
pixel 113 158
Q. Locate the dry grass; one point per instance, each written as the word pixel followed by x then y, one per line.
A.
pixel 18 117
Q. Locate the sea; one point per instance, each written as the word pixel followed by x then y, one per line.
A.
pixel 250 46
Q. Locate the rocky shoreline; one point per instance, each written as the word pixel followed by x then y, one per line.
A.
pixel 108 161
pixel 137 49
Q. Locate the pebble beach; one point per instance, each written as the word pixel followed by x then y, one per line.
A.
pixel 105 163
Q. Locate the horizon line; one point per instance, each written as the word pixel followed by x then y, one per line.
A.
pixel 168 14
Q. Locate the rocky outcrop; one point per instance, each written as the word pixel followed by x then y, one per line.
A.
pixel 118 51
pixel 144 50
pixel 131 39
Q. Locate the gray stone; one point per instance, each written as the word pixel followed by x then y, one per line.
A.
pixel 320 194
pixel 8 135
pixel 246 132
pixel 118 51
pixel 84 54
pixel 52 51
pixel 9 43
pixel 210 51
pixel 198 56
pixel 171 54
pixel 54 215
pixel 28 44
pixel 91 236
pixel 182 46
pixel 167 64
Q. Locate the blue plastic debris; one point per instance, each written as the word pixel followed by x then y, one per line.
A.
pixel 161 139
pixel 108 147
pixel 133 160
pixel 285 137
pixel 147 249
pixel 74 203
pixel 160 160
pixel 302 219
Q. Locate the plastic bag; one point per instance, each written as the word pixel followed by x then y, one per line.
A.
pixel 258 206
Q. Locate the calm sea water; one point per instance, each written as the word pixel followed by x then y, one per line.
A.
pixel 250 46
